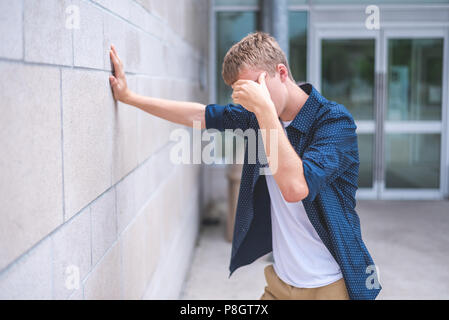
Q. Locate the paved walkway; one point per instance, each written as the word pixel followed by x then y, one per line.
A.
pixel 409 241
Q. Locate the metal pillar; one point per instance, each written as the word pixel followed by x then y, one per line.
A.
pixel 275 21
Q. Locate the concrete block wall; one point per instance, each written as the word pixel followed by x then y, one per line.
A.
pixel 87 190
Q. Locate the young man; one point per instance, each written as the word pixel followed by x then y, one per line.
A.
pixel 303 212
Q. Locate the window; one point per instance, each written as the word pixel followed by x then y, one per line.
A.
pixel 297 29
pixel 231 27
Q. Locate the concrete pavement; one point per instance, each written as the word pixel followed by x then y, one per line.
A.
pixel 409 242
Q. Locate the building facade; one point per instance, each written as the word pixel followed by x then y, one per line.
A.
pixel 386 61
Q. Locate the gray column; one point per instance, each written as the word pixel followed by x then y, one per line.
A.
pixel 265 7
pixel 275 21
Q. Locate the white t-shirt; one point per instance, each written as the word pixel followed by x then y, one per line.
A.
pixel 300 257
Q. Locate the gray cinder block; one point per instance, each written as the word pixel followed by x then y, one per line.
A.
pixel 31 166
pixel 11 29
pixel 88 109
pixel 47 37
pixel 104 224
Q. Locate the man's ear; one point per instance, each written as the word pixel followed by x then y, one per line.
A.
pixel 283 72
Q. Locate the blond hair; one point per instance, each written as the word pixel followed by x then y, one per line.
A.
pixel 256 50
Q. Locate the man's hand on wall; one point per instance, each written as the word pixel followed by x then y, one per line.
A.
pixel 118 80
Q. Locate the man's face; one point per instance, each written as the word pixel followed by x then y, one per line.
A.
pixel 276 87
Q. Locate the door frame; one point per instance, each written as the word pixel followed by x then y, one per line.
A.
pixel 419 126
pixel 380 126
pixel 364 126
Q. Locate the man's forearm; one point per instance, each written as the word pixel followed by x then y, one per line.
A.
pixel 185 113
pixel 181 112
pixel 288 171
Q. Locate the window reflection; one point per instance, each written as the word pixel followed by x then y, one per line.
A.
pixel 415 79
pixel 297 24
pixel 348 75
pixel 231 27
pixel 412 160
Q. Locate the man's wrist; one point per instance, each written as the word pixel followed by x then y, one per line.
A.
pixel 269 108
pixel 128 97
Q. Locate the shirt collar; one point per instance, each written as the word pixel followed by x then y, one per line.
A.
pixel 305 117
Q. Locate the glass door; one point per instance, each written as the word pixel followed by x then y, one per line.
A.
pixel 392 82
pixel 348 64
pixel 413 114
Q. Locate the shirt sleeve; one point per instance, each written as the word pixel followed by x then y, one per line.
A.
pixel 229 116
pixel 332 151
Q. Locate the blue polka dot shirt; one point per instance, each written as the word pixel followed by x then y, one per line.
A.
pixel 323 133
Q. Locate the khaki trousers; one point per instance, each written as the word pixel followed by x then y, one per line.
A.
pixel 277 289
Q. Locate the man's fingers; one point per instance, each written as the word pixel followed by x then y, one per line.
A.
pixel 114 59
pixel 262 77
pixel 113 81
pixel 114 51
pixel 240 87
pixel 236 94
pixel 240 82
pixel 117 65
